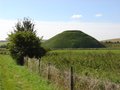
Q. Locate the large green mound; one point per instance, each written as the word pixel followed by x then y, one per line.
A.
pixel 72 39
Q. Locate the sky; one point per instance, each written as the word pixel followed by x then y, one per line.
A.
pixel 98 18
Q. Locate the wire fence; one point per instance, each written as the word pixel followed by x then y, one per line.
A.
pixel 67 79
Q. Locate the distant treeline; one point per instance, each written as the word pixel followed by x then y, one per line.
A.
pixel 3 44
pixel 111 42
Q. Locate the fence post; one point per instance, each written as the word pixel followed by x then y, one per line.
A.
pixel 26 61
pixel 39 67
pixel 71 79
pixel 49 76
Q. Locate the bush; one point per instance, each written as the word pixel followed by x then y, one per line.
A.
pixel 24 42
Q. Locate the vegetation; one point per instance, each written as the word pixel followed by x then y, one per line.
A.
pixel 14 77
pixel 3 43
pixel 4 51
pixel 3 47
pixel 111 45
pixel 99 64
pixel 72 39
pixel 24 42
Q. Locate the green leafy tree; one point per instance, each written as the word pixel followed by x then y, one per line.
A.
pixel 24 42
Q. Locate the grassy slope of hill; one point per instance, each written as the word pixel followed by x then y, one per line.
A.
pixel 13 77
pixel 112 40
pixel 72 39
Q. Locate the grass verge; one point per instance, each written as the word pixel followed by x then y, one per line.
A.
pixel 14 77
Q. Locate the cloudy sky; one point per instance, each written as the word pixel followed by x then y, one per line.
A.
pixel 98 18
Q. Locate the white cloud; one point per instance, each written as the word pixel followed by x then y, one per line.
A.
pixel 77 16
pixel 100 31
pixel 6 26
pixel 47 29
pixel 99 15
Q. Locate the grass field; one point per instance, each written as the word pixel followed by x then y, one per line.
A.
pixel 112 45
pixel 99 64
pixel 14 77
pixel 3 43
pixel 4 51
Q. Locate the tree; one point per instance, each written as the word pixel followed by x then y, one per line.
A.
pixel 24 42
pixel 26 25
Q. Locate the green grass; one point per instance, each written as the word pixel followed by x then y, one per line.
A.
pixel 3 43
pixel 98 64
pixel 112 45
pixel 72 39
pixel 14 77
pixel 4 51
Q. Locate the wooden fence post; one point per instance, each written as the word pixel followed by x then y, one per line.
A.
pixel 71 79
pixel 39 67
pixel 49 76
pixel 27 61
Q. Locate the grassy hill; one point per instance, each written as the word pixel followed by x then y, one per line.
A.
pixel 112 40
pixel 72 39
pixel 13 77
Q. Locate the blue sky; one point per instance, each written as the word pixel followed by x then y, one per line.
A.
pixel 49 11
pixel 61 10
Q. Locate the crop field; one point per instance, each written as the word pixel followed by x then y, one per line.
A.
pixel 99 64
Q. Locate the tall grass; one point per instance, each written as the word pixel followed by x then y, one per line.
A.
pixel 98 64
pixel 13 77
pixel 4 51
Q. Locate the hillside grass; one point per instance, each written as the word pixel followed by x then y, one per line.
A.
pixel 99 64
pixel 14 77
pixel 72 39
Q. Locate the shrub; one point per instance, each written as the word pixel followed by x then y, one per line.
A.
pixel 24 42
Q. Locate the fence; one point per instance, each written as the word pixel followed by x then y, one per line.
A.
pixel 67 79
